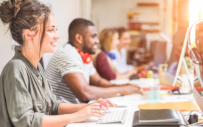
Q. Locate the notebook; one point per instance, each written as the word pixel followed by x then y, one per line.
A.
pixel 181 106
pixel 162 115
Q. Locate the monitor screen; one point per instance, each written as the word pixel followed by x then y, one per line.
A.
pixel 178 41
pixel 177 54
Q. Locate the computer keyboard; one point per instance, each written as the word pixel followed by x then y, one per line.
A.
pixel 113 116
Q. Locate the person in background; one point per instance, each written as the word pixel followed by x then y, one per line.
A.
pixel 109 39
pixel 120 61
pixel 71 72
pixel 26 98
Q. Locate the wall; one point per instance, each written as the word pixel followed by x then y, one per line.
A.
pixel 113 13
pixel 86 8
pixel 64 11
pixel 108 13
pixel 5 45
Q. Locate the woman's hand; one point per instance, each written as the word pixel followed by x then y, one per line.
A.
pixel 131 72
pixel 92 110
pixel 109 104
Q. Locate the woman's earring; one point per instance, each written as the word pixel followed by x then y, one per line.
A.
pixel 80 42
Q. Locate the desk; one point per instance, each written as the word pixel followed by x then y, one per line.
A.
pixel 134 100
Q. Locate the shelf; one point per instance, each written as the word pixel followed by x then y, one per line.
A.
pixel 148 5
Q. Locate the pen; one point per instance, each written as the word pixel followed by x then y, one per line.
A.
pixel 103 103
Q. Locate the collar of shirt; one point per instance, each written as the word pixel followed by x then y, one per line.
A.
pixel 18 55
pixel 111 55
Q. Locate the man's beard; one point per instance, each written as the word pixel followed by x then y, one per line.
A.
pixel 87 49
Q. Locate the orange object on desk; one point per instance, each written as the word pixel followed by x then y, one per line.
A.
pixel 162 88
pixel 170 88
pixel 181 106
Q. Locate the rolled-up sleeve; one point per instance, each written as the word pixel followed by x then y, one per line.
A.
pixel 55 107
pixel 18 100
pixel 55 103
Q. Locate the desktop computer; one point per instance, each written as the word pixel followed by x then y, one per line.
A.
pixel 177 60
pixel 197 97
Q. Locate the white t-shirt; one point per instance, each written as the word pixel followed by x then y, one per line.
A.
pixel 66 60
pixel 120 61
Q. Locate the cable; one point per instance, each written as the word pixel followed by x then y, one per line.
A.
pixel 189 115
pixel 192 111
pixel 198 21
pixel 195 123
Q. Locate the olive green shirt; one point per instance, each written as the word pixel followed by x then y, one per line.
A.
pixel 23 101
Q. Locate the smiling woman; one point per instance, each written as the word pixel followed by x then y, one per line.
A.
pixel 25 95
pixel 46 33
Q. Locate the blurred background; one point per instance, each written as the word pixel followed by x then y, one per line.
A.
pixel 152 24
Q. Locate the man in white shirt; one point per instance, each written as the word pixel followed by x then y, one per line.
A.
pixel 71 77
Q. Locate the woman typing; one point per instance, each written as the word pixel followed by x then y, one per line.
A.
pixel 25 95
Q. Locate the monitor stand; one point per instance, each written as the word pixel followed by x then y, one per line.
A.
pixel 190 80
pixel 191 84
pixel 200 88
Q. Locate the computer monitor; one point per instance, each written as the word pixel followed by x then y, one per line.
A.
pixel 176 59
pixel 159 54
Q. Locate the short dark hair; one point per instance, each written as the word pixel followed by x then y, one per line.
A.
pixel 77 26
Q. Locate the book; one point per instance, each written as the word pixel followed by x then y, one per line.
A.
pixel 156 116
pixel 181 106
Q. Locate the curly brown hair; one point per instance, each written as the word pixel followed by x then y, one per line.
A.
pixel 23 14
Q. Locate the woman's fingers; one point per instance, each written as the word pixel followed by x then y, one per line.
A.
pixel 97 107
pixel 111 104
pixel 97 115
pixel 97 111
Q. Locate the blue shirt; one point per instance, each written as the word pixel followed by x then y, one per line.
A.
pixel 120 62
